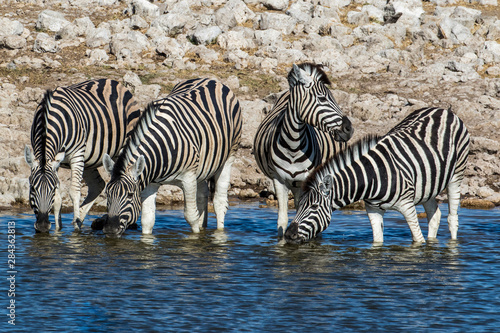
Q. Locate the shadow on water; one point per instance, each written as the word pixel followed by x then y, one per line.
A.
pixel 244 279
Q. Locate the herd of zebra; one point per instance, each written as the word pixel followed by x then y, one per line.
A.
pixel 190 138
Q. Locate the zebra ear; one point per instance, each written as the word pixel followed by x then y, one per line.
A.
pixel 138 167
pixel 302 76
pixel 326 185
pixel 29 157
pixel 58 159
pixel 108 163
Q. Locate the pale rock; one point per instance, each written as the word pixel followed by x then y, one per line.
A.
pixel 144 8
pixel 51 20
pixel 206 35
pixel 234 40
pixel 98 37
pixel 275 4
pixel 277 21
pixel 233 13
pixel 45 43
pixel 465 16
pixel 10 28
pixel 131 80
pixel 168 47
pixel 267 37
pixel 171 23
pixel 301 11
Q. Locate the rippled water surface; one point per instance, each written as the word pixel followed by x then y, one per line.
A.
pixel 244 280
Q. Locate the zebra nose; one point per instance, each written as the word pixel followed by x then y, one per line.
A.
pixel 346 130
pixel 292 232
pixel 42 223
pixel 112 227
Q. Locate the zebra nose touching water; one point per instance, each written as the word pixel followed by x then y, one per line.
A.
pixel 414 162
pixel 74 127
pixel 185 139
pixel 304 128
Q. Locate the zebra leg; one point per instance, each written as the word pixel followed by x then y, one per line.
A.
pixel 148 208
pixel 297 193
pixel 376 216
pixel 202 204
pixel 95 185
pixel 57 208
pixel 410 213
pixel 222 183
pixel 281 192
pixel 454 203
pixel 77 166
pixel 433 217
pixel 189 186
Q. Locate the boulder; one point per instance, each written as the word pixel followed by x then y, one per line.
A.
pixel 50 20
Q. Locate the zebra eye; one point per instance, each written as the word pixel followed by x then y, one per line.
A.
pixel 322 99
pixel 314 206
pixel 130 195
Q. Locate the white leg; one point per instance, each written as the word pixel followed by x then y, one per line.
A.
pixel 453 204
pixel 410 213
pixel 148 209
pixel 77 166
pixel 190 189
pixel 222 183
pixel 95 186
pixel 202 204
pixel 281 192
pixel 57 208
pixel 376 216
pixel 433 217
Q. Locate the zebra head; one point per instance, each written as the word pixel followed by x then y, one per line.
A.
pixel 314 103
pixel 44 182
pixel 314 212
pixel 123 196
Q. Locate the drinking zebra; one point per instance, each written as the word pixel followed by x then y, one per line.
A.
pixel 74 127
pixel 416 160
pixel 299 133
pixel 185 139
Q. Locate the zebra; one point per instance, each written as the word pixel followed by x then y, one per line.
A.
pixel 299 133
pixel 73 127
pixel 186 139
pixel 414 162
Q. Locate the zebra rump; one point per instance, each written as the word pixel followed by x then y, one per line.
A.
pixel 414 162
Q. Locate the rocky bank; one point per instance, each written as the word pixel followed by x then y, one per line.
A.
pixel 385 59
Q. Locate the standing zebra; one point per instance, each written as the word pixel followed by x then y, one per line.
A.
pixel 185 139
pixel 73 128
pixel 299 134
pixel 420 157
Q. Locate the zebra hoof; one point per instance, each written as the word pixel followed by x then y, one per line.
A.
pixel 77 225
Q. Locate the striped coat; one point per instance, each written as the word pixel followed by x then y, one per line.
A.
pixel 414 162
pixel 185 139
pixel 302 130
pixel 74 127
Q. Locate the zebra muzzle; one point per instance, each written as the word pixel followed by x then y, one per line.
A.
pixel 112 227
pixel 42 223
pixel 292 234
pixel 345 132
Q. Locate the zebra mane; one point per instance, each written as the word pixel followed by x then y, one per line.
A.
pixel 343 159
pixel 315 70
pixel 39 131
pixel 133 141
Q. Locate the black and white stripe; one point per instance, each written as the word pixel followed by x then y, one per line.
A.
pixel 74 127
pixel 299 133
pixel 185 139
pixel 414 162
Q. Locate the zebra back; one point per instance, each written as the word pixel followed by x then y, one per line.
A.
pixel 197 126
pixel 95 114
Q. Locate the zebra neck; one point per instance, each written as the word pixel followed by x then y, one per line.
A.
pixel 293 130
pixel 349 187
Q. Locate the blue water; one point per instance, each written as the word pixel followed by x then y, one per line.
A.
pixel 244 280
